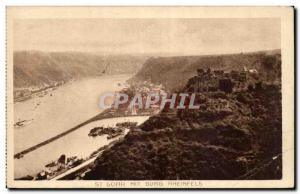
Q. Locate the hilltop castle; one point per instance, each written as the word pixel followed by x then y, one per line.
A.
pixel 219 80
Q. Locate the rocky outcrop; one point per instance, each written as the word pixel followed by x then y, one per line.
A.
pixel 232 136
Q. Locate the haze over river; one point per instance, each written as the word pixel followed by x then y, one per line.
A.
pixel 58 111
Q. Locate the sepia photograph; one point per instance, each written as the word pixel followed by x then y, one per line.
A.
pixel 150 97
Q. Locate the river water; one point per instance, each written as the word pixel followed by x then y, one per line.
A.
pixel 58 111
pixel 77 143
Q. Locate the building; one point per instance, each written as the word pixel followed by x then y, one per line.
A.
pixel 218 80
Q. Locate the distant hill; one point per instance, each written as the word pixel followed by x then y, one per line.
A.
pixel 35 68
pixel 173 72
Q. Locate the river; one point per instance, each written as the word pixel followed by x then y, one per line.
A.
pixel 58 111
pixel 77 143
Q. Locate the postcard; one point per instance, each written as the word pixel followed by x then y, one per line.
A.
pixel 150 97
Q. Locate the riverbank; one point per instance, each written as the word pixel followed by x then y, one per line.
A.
pixel 22 94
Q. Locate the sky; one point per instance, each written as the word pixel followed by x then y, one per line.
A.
pixel 147 36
